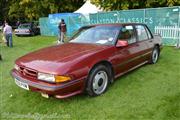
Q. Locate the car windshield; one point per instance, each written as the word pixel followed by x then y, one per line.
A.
pixel 24 26
pixel 104 35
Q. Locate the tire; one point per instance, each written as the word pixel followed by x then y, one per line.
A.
pixel 32 34
pixel 155 55
pixel 0 57
pixel 98 80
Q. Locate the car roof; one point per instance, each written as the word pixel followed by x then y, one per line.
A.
pixel 114 24
pixel 26 23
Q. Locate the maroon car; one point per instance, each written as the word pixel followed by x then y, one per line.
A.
pixel 94 57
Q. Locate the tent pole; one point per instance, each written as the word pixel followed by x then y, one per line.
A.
pixel 178 30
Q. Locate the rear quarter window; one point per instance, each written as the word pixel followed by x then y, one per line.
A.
pixel 148 33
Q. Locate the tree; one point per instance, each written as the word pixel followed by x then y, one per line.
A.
pixel 4 9
pixel 29 10
pixel 133 4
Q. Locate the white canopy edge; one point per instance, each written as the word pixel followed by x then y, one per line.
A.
pixel 88 8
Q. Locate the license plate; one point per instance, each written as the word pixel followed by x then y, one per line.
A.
pixel 22 84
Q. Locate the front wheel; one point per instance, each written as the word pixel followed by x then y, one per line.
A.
pixel 98 80
pixel 155 55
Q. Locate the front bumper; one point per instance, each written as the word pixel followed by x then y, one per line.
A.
pixel 61 90
pixel 25 34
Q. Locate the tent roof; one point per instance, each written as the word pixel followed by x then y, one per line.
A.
pixel 88 8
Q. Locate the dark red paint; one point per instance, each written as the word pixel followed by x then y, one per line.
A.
pixel 76 60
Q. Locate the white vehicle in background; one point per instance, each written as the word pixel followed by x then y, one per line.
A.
pixel 1 28
pixel 27 29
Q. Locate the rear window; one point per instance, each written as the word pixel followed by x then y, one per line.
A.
pixel 24 26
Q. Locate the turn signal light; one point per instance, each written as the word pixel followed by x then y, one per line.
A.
pixel 62 78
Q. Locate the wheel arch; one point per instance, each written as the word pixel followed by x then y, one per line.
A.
pixel 105 63
pixel 157 45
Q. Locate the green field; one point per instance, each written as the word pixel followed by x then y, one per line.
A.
pixel 149 92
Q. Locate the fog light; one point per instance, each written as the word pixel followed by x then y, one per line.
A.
pixel 16 67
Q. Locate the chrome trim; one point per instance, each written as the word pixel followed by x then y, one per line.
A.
pixel 132 59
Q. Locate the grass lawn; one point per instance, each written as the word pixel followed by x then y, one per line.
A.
pixel 150 92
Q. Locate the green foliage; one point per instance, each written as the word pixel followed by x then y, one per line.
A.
pixel 4 7
pixel 29 10
pixel 133 4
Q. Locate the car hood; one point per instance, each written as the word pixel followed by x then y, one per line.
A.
pixel 52 58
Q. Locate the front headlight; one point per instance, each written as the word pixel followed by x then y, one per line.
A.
pixel 52 78
pixel 46 77
pixel 16 67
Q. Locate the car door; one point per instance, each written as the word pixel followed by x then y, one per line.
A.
pixel 145 41
pixel 149 42
pixel 129 56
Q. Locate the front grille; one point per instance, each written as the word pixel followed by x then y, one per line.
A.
pixel 28 72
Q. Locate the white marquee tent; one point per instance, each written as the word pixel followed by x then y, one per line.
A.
pixel 88 8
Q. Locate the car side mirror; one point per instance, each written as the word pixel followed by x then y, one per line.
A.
pixel 121 43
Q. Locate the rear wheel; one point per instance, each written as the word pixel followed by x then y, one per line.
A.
pixel 32 33
pixel 98 80
pixel 155 55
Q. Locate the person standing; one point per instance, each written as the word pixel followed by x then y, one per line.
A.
pixel 17 24
pixel 7 31
pixel 62 31
pixel 3 36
